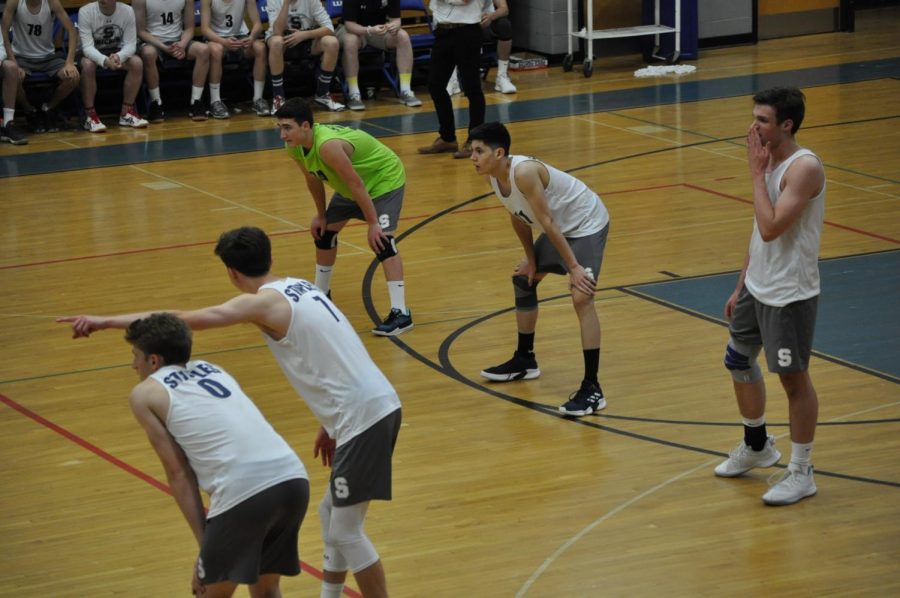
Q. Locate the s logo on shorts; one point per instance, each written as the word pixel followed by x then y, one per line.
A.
pixel 785 358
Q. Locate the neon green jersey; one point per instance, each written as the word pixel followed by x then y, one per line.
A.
pixel 376 164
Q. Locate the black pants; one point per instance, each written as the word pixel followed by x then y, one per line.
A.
pixel 459 47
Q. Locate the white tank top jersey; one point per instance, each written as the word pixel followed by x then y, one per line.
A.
pixel 234 452
pixel 226 18
pixel 576 210
pixel 102 35
pixel 327 364
pixel 459 11
pixel 303 15
pixel 33 33
pixel 786 269
pixel 165 19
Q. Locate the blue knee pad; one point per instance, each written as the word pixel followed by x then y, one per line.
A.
pixel 526 294
pixel 390 249
pixel 740 360
pixel 328 240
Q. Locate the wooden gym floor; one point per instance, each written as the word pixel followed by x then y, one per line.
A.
pixel 495 494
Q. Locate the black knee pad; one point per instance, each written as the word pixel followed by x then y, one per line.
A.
pixel 526 294
pixel 328 240
pixel 390 248
pixel 502 29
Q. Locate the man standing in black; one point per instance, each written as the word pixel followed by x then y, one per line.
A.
pixel 457 43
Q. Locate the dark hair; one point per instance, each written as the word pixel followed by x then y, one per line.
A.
pixel 788 103
pixel 297 109
pixel 247 250
pixel 161 334
pixel 491 134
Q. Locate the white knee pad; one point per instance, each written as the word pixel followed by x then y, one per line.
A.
pixel 740 359
pixel 333 559
pixel 345 533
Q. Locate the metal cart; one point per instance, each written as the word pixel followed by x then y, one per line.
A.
pixel 587 33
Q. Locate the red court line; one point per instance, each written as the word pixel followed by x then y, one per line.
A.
pixel 129 468
pixel 828 222
pixel 128 252
pixel 422 217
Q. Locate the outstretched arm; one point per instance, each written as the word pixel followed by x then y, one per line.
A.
pixel 243 308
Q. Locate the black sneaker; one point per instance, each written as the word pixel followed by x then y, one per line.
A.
pixel 54 121
pixel 197 112
pixel 155 113
pixel 584 401
pixel 11 133
pixel 36 121
pixel 395 324
pixel 520 367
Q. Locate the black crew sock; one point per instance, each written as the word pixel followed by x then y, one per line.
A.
pixel 526 344
pixel 591 365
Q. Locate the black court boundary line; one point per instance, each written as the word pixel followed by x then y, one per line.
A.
pixel 701 316
pixel 446 368
pixel 614 111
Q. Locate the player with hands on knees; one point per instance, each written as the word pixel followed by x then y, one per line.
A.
pixel 369 181
pixel 573 224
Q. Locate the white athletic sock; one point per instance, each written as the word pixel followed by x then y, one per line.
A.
pixel 258 87
pixel 331 590
pixel 323 277
pixel 154 95
pixel 502 66
pixel 8 115
pixel 196 93
pixel 754 423
pixel 397 294
pixel 800 453
pixel 215 91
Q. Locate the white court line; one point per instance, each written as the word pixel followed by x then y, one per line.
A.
pixel 236 204
pixel 608 515
pixel 574 539
pixel 870 189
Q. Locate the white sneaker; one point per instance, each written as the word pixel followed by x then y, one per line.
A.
pixel 795 484
pixel 453 84
pixel 503 84
pixel 742 459
pixel 132 119
pixel 409 99
pixel 92 123
pixel 329 103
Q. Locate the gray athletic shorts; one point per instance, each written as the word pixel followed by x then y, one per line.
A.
pixel 233 55
pixel 786 333
pixel 387 206
pixel 374 41
pixel 162 57
pixel 588 252
pixel 362 467
pixel 257 536
pixel 50 64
